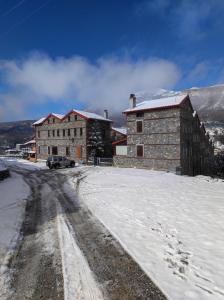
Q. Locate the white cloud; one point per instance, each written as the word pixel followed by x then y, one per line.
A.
pixel 188 19
pixel 106 84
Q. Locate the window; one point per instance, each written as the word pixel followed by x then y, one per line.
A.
pixel 69 119
pixel 76 117
pixel 139 126
pixel 48 150
pixel 58 132
pixel 48 133
pixel 80 131
pixel 63 132
pixel 67 151
pixel 39 149
pixel 103 133
pixel 38 134
pixel 54 150
pixel 75 131
pixel 68 132
pixel 53 120
pixel 53 133
pixel 140 114
pixel 140 150
pixel 48 121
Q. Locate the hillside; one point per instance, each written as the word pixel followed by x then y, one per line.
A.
pixel 12 133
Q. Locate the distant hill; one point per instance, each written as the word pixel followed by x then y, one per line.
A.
pixel 18 132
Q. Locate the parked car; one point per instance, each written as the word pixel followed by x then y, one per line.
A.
pixel 56 161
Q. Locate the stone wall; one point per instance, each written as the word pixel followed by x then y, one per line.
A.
pixel 74 141
pixel 142 163
pixel 160 137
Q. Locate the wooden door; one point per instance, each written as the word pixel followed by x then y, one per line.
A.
pixel 78 151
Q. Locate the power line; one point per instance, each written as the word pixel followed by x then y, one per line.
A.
pixel 9 11
pixel 24 19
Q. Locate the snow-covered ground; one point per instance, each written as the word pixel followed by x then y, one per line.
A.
pixel 2 165
pixel 171 225
pixel 13 192
pixel 25 164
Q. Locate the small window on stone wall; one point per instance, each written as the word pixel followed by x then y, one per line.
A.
pixel 68 132
pixel 139 126
pixel 75 131
pixel 58 132
pixel 140 150
pixel 63 132
pixel 80 131
pixel 67 151
pixel 140 114
pixel 53 133
pixel 48 150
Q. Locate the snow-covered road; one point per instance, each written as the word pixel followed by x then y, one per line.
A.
pixel 64 252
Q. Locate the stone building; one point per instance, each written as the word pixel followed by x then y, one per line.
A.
pixel 166 134
pixel 77 135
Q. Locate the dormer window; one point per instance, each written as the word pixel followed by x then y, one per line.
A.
pixel 53 120
pixel 76 117
pixel 69 119
pixel 48 121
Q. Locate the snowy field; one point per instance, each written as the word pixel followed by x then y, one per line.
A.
pixel 171 225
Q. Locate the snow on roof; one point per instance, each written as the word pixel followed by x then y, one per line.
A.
pixel 121 130
pixel 30 142
pixel 39 121
pixel 157 103
pixel 90 115
pixel 83 113
pixel 59 116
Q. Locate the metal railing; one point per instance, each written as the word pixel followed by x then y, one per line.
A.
pixel 100 161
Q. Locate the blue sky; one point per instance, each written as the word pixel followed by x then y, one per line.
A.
pixel 59 54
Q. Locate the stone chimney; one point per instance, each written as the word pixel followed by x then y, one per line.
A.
pixel 105 113
pixel 132 100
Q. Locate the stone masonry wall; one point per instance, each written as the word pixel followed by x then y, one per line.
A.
pixel 75 140
pixel 160 137
pixel 44 141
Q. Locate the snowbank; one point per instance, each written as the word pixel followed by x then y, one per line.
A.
pixel 171 225
pixel 25 164
pixel 2 166
pixel 13 192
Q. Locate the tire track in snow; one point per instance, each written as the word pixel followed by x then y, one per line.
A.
pixel 79 282
pixel 118 276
